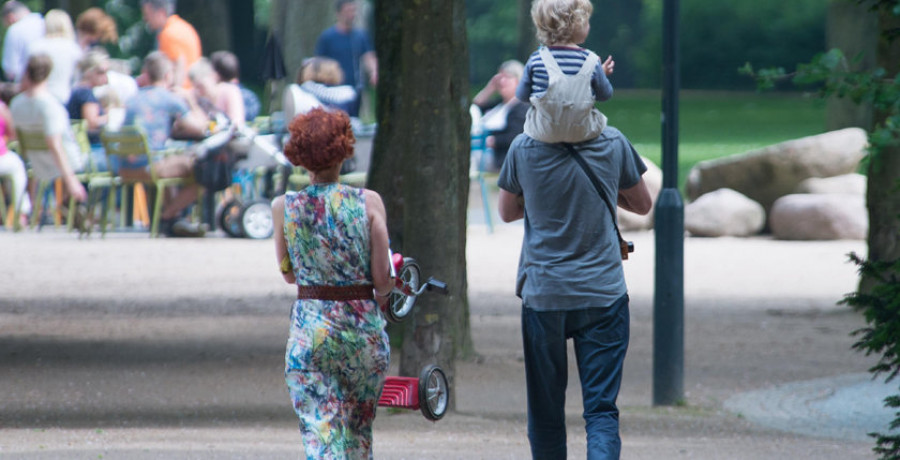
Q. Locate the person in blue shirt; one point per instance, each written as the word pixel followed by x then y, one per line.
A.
pixel 351 47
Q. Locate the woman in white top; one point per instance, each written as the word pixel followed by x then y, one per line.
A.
pixel 59 43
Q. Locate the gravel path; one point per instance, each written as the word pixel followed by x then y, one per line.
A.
pixel 131 348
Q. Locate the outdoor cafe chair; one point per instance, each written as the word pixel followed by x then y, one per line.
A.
pixel 30 142
pixel 132 140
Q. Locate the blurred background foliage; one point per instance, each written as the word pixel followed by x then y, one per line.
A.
pixel 718 37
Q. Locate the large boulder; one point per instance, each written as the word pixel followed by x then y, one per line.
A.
pixel 847 184
pixel 819 217
pixel 769 173
pixel 724 212
pixel 629 221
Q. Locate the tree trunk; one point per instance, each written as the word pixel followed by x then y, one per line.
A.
pixel 212 19
pixel 421 165
pixel 299 23
pixel 527 41
pixel 854 30
pixel 883 199
pixel 244 43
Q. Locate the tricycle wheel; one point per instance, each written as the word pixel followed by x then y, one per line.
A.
pixel 434 392
pixel 403 297
pixel 256 220
pixel 230 218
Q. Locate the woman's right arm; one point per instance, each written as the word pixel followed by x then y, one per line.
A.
pixel 278 235
pixel 74 187
pixel 483 97
pixel 90 111
pixel 381 275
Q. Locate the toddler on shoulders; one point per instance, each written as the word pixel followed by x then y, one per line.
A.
pixel 562 80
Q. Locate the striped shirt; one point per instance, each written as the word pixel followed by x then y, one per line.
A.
pixel 534 81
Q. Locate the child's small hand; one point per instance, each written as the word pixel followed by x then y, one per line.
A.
pixel 608 65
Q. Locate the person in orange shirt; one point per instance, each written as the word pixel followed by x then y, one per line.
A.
pixel 175 37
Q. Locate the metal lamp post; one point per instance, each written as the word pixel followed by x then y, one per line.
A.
pixel 668 300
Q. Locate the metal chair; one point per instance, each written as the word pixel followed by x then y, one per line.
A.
pixel 132 140
pixel 480 154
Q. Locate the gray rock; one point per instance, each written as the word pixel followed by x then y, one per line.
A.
pixel 629 221
pixel 847 184
pixel 819 217
pixel 724 212
pixel 767 174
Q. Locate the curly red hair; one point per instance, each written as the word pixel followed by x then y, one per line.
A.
pixel 320 139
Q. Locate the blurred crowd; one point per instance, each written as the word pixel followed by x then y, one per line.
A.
pixel 61 85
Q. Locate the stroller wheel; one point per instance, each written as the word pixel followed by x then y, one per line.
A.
pixel 230 219
pixel 434 392
pixel 256 220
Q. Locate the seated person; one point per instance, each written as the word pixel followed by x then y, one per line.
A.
pixel 84 105
pixel 228 68
pixel 162 114
pixel 319 82
pixel 215 96
pixel 11 165
pixel 36 109
pixel 504 115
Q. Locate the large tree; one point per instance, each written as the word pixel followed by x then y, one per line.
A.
pixel 883 197
pixel 420 165
pixel 298 24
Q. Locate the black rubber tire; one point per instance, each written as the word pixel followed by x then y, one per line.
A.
pixel 256 220
pixel 434 393
pixel 230 218
pixel 399 304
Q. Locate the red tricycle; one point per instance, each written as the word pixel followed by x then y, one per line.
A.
pixel 430 391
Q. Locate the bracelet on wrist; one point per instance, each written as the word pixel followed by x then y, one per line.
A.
pixel 378 294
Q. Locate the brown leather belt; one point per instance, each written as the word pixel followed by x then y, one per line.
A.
pixel 354 292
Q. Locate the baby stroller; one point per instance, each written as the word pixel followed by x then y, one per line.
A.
pixel 246 211
pixel 264 172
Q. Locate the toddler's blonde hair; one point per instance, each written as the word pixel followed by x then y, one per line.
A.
pixel 557 21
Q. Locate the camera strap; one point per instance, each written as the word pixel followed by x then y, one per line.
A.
pixel 594 180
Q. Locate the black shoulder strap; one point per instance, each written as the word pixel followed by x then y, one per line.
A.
pixel 593 178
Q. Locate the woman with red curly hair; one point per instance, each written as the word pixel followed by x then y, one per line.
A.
pixel 331 240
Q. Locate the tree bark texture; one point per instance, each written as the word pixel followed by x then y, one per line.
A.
pixel 420 165
pixel 853 29
pixel 299 23
pixel 527 41
pixel 883 195
pixel 212 20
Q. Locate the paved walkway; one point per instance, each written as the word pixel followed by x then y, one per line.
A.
pixel 135 348
pixel 840 407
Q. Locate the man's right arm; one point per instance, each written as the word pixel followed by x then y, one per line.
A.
pixel 510 206
pixel 636 198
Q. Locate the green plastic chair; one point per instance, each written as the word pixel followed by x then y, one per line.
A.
pixel 132 140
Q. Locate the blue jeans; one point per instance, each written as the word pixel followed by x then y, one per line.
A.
pixel 601 338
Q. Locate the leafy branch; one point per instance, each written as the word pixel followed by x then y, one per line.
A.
pixel 832 73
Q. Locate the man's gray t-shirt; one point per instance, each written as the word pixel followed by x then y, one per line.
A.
pixel 570 254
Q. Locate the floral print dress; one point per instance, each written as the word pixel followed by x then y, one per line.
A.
pixel 338 351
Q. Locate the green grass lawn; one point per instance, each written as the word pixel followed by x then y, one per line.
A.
pixel 714 124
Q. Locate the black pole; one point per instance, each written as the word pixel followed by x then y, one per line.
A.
pixel 668 301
